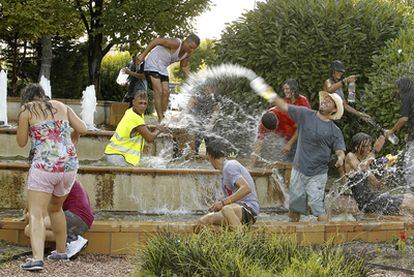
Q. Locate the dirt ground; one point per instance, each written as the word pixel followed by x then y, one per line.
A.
pixel 85 265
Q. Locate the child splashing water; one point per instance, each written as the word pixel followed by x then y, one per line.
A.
pixel 52 127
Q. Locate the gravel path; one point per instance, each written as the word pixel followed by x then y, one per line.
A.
pixel 86 265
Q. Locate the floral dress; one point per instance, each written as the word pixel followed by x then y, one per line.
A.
pixel 52 147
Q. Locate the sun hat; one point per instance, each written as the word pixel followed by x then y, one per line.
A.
pixel 338 102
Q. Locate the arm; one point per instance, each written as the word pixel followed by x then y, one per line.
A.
pixel 332 87
pixel 341 157
pixel 185 67
pixel 242 191
pixel 146 133
pixel 280 103
pixel 351 110
pixel 353 164
pixel 22 135
pixel 134 74
pixel 166 42
pixel 398 125
pixel 288 146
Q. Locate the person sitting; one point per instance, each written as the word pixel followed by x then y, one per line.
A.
pixel 358 163
pixel 127 143
pixel 277 124
pixel 79 218
pixel 240 205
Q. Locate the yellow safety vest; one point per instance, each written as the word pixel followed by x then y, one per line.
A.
pixel 122 143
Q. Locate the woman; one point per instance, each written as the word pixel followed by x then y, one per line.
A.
pixel 357 166
pixel 127 143
pixel 336 83
pixel 53 167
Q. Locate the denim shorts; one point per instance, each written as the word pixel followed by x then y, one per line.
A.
pixel 56 183
pixel 75 226
pixel 307 191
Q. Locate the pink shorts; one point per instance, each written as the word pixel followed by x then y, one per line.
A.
pixel 56 183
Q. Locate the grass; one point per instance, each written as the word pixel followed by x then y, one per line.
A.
pixel 242 254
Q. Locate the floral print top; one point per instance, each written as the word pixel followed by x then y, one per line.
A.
pixel 52 147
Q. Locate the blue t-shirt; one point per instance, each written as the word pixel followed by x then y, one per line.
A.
pixel 233 170
pixel 317 140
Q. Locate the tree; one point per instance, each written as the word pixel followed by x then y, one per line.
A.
pixel 133 23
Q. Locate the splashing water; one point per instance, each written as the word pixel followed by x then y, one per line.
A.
pixel 89 107
pixel 45 84
pixel 3 98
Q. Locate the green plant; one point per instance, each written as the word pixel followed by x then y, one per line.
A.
pixel 242 254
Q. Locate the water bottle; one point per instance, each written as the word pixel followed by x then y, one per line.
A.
pixel 392 137
pixel 264 90
pixel 351 92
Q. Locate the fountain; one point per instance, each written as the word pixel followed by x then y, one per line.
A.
pixel 89 107
pixel 45 83
pixel 3 98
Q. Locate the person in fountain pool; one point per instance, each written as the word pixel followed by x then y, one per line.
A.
pixel 240 205
pixel 127 143
pixel 357 166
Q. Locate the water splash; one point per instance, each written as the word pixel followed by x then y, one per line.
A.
pixel 45 84
pixel 89 107
pixel 3 98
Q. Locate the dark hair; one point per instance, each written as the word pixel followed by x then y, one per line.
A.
pixel 270 121
pixel 358 140
pixel 138 94
pixel 336 66
pixel 35 92
pixel 216 148
pixel 193 38
pixel 405 85
pixel 293 85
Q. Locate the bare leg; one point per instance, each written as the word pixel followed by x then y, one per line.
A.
pixel 157 89
pixel 323 218
pixel 407 206
pixel 233 214
pixel 37 202
pixel 58 222
pixel 165 97
pixel 293 216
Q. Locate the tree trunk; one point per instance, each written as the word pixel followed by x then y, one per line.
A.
pixel 15 66
pixel 46 59
pixel 94 62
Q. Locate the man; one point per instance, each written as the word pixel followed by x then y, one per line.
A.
pixel 276 124
pixel 318 138
pixel 136 78
pixel 79 218
pixel 405 88
pixel 240 205
pixel 159 54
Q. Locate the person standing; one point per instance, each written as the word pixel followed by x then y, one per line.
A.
pixel 336 84
pixel 53 167
pixel 405 88
pixel 278 123
pixel 136 78
pixel 159 54
pixel 318 137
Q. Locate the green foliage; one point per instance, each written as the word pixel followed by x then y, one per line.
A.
pixel 395 60
pixel 204 56
pixel 111 64
pixel 243 254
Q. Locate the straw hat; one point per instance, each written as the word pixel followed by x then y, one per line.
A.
pixel 338 102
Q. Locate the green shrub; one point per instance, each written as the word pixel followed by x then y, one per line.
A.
pixel 242 254
pixel 111 64
pixel 396 60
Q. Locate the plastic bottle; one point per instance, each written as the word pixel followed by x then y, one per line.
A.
pixel 351 92
pixel 392 137
pixel 264 90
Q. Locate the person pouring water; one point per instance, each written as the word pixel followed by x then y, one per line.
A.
pixel 337 82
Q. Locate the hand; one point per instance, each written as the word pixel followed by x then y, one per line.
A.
pixel 388 133
pixel 350 79
pixel 162 128
pixel 286 148
pixel 339 162
pixel 216 207
pixel 379 143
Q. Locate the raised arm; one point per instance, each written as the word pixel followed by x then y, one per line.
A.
pixel 170 43
pixel 185 66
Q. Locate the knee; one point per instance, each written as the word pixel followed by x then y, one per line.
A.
pixel 226 210
pixel 54 208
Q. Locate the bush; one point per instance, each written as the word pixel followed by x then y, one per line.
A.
pixel 396 60
pixel 243 254
pixel 111 64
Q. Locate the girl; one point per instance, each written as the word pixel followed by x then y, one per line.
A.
pixel 53 167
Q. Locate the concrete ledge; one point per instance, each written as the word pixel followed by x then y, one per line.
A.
pixel 125 237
